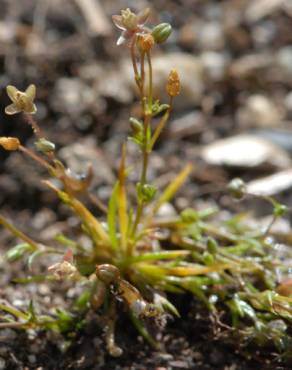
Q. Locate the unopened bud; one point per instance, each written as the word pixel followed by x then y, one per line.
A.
pixel 9 143
pixel 173 83
pixel 136 125
pixel 161 32
pixel 237 188
pixel 43 145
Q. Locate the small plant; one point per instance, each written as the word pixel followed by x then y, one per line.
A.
pixel 229 267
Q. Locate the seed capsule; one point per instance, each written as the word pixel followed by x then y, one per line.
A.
pixel 173 83
pixel 9 143
pixel 161 32
pixel 107 273
pixel 145 42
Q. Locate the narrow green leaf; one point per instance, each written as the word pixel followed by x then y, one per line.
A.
pixel 172 188
pixel 122 201
pixel 111 217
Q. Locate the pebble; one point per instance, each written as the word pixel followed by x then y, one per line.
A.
pixel 272 184
pixel 260 111
pixel 32 359
pixel 165 356
pixel 288 101
pixel 264 33
pixel 8 334
pixel 80 155
pixel 186 125
pixel 74 96
pixel 179 364
pixel 2 364
pixel 166 210
pixel 233 150
pixel 211 36
pixel 284 59
pixel 215 64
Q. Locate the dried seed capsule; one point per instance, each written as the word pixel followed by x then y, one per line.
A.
pixel 161 32
pixel 145 42
pixel 107 273
pixel 173 83
pixel 9 143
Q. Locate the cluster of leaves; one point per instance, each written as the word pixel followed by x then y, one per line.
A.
pixel 137 258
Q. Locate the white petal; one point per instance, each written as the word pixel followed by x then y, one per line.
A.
pixel 11 92
pixel 12 109
pixel 30 91
pixel 125 36
pixel 121 40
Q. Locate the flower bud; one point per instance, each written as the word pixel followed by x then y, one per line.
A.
pixel 161 32
pixel 237 188
pixel 212 246
pixel 146 192
pixel 145 42
pixel 173 83
pixel 9 143
pixel 43 145
pixel 136 125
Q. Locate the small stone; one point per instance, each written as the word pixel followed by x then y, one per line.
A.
pixel 211 36
pixel 179 364
pixel 288 101
pixel 260 111
pixel 284 59
pixel 8 334
pixel 233 150
pixel 215 64
pixel 32 359
pixel 166 210
pixel 165 356
pixel 2 364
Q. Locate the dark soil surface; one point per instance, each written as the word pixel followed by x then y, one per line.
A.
pixel 84 100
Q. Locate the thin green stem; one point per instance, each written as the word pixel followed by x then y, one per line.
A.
pixel 142 74
pixel 135 66
pixel 19 234
pixel 161 125
pixel 150 87
pixel 147 112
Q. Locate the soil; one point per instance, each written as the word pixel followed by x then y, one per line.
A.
pixel 83 106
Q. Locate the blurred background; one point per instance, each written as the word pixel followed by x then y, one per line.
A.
pixel 233 117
